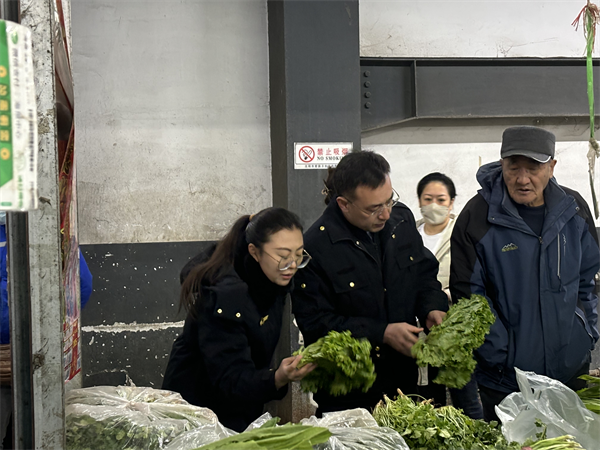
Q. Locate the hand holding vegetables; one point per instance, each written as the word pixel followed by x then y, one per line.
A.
pixel 450 345
pixel 435 318
pixel 344 364
pixel 288 371
pixel 401 336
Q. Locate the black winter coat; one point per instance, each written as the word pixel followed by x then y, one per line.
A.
pixel 222 359
pixel 362 285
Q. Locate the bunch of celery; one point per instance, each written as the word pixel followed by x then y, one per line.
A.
pixel 590 395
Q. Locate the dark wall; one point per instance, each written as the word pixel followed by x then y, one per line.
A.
pixel 130 321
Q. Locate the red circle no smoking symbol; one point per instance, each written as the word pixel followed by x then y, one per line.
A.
pixel 307 154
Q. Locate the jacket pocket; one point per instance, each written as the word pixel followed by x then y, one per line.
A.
pixel 575 353
pixel 354 293
pixel 407 257
pixel 497 351
pixel 350 280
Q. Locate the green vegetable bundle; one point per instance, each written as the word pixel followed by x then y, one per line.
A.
pixel 450 345
pixel 590 395
pixel 565 442
pixel 269 436
pixel 425 427
pixel 344 363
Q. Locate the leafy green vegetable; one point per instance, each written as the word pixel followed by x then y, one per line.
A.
pixel 425 427
pixel 593 404
pixel 450 345
pixel 344 363
pixel 590 395
pixel 288 436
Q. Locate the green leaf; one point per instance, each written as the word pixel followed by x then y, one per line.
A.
pixel 451 344
pixel 343 364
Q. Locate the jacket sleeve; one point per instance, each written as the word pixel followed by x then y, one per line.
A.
pixel 315 312
pixel 430 296
pixel 226 353
pixel 467 277
pixel 590 263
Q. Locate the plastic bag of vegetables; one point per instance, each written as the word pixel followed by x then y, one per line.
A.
pixel 124 417
pixel 551 402
pixel 356 429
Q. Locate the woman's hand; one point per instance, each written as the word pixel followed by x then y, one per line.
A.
pixel 288 371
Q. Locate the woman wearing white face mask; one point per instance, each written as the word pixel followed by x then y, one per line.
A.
pixel 436 198
pixel 436 194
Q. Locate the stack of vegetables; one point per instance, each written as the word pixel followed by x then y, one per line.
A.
pixel 590 395
pixel 344 363
pixel 424 427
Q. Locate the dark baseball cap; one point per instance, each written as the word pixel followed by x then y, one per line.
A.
pixel 532 142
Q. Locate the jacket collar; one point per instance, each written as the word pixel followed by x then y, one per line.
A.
pixel 502 211
pixel 340 229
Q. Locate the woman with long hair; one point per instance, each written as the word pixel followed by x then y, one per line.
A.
pixel 234 295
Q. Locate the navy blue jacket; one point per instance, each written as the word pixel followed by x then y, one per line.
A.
pixel 540 288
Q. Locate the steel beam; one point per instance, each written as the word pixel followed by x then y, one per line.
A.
pixel 396 90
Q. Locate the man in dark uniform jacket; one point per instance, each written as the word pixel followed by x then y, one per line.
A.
pixel 370 274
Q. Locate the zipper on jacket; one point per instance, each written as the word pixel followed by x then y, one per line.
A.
pixel 541 240
pixel 584 322
pixel 558 267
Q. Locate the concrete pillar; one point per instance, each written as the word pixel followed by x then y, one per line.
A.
pixel 314 85
pixel 44 243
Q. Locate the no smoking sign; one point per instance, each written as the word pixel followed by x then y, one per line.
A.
pixel 319 155
pixel 306 154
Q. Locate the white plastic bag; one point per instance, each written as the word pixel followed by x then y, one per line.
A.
pixel 203 435
pixel 550 401
pixel 207 434
pixel 356 429
pixel 125 417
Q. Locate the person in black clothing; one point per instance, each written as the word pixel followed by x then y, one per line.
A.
pixel 234 295
pixel 370 274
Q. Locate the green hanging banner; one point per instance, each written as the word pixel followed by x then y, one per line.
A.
pixel 6 154
pixel 18 120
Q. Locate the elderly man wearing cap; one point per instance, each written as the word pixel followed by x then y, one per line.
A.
pixel 530 246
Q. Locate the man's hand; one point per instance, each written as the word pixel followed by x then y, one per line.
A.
pixel 401 336
pixel 434 318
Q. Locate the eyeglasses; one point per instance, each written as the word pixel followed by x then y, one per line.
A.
pixel 285 263
pixel 387 205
